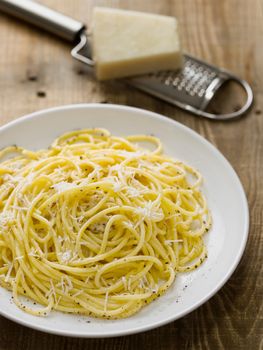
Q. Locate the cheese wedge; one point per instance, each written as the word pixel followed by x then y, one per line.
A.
pixel 127 43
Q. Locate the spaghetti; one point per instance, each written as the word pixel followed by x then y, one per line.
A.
pixel 97 224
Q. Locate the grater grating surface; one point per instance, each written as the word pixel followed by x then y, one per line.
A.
pixel 191 88
pixel 193 80
pixel 187 86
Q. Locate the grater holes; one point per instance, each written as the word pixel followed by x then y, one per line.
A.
pixel 175 81
pixel 193 80
pixel 197 78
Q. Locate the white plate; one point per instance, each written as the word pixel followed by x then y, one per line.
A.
pixel 226 199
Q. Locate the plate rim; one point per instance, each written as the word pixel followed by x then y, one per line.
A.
pixel 217 287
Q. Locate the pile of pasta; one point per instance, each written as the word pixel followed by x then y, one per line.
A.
pixel 96 224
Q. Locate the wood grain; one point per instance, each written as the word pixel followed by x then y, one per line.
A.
pixel 36 71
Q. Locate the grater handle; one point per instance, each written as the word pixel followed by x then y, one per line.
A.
pixel 43 17
pixel 238 113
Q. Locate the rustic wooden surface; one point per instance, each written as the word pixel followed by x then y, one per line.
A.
pixel 36 71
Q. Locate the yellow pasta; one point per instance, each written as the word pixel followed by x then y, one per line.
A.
pixel 97 224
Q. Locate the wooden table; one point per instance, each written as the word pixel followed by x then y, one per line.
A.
pixel 36 71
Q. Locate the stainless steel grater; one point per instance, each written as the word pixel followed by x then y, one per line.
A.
pixel 192 88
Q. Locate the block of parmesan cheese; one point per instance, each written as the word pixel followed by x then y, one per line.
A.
pixel 127 43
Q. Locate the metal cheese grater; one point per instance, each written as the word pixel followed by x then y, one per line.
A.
pixel 192 88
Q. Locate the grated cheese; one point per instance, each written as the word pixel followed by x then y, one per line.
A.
pixel 70 286
pixel 6 217
pixel 195 225
pixel 60 239
pixel 169 241
pixel 117 185
pixel 33 252
pixel 149 212
pixel 66 256
pixel 116 167
pixel 19 257
pixel 124 281
pixel 29 178
pixel 63 186
pixel 133 192
pixel 122 170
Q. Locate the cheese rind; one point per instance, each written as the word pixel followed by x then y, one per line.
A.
pixel 126 43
